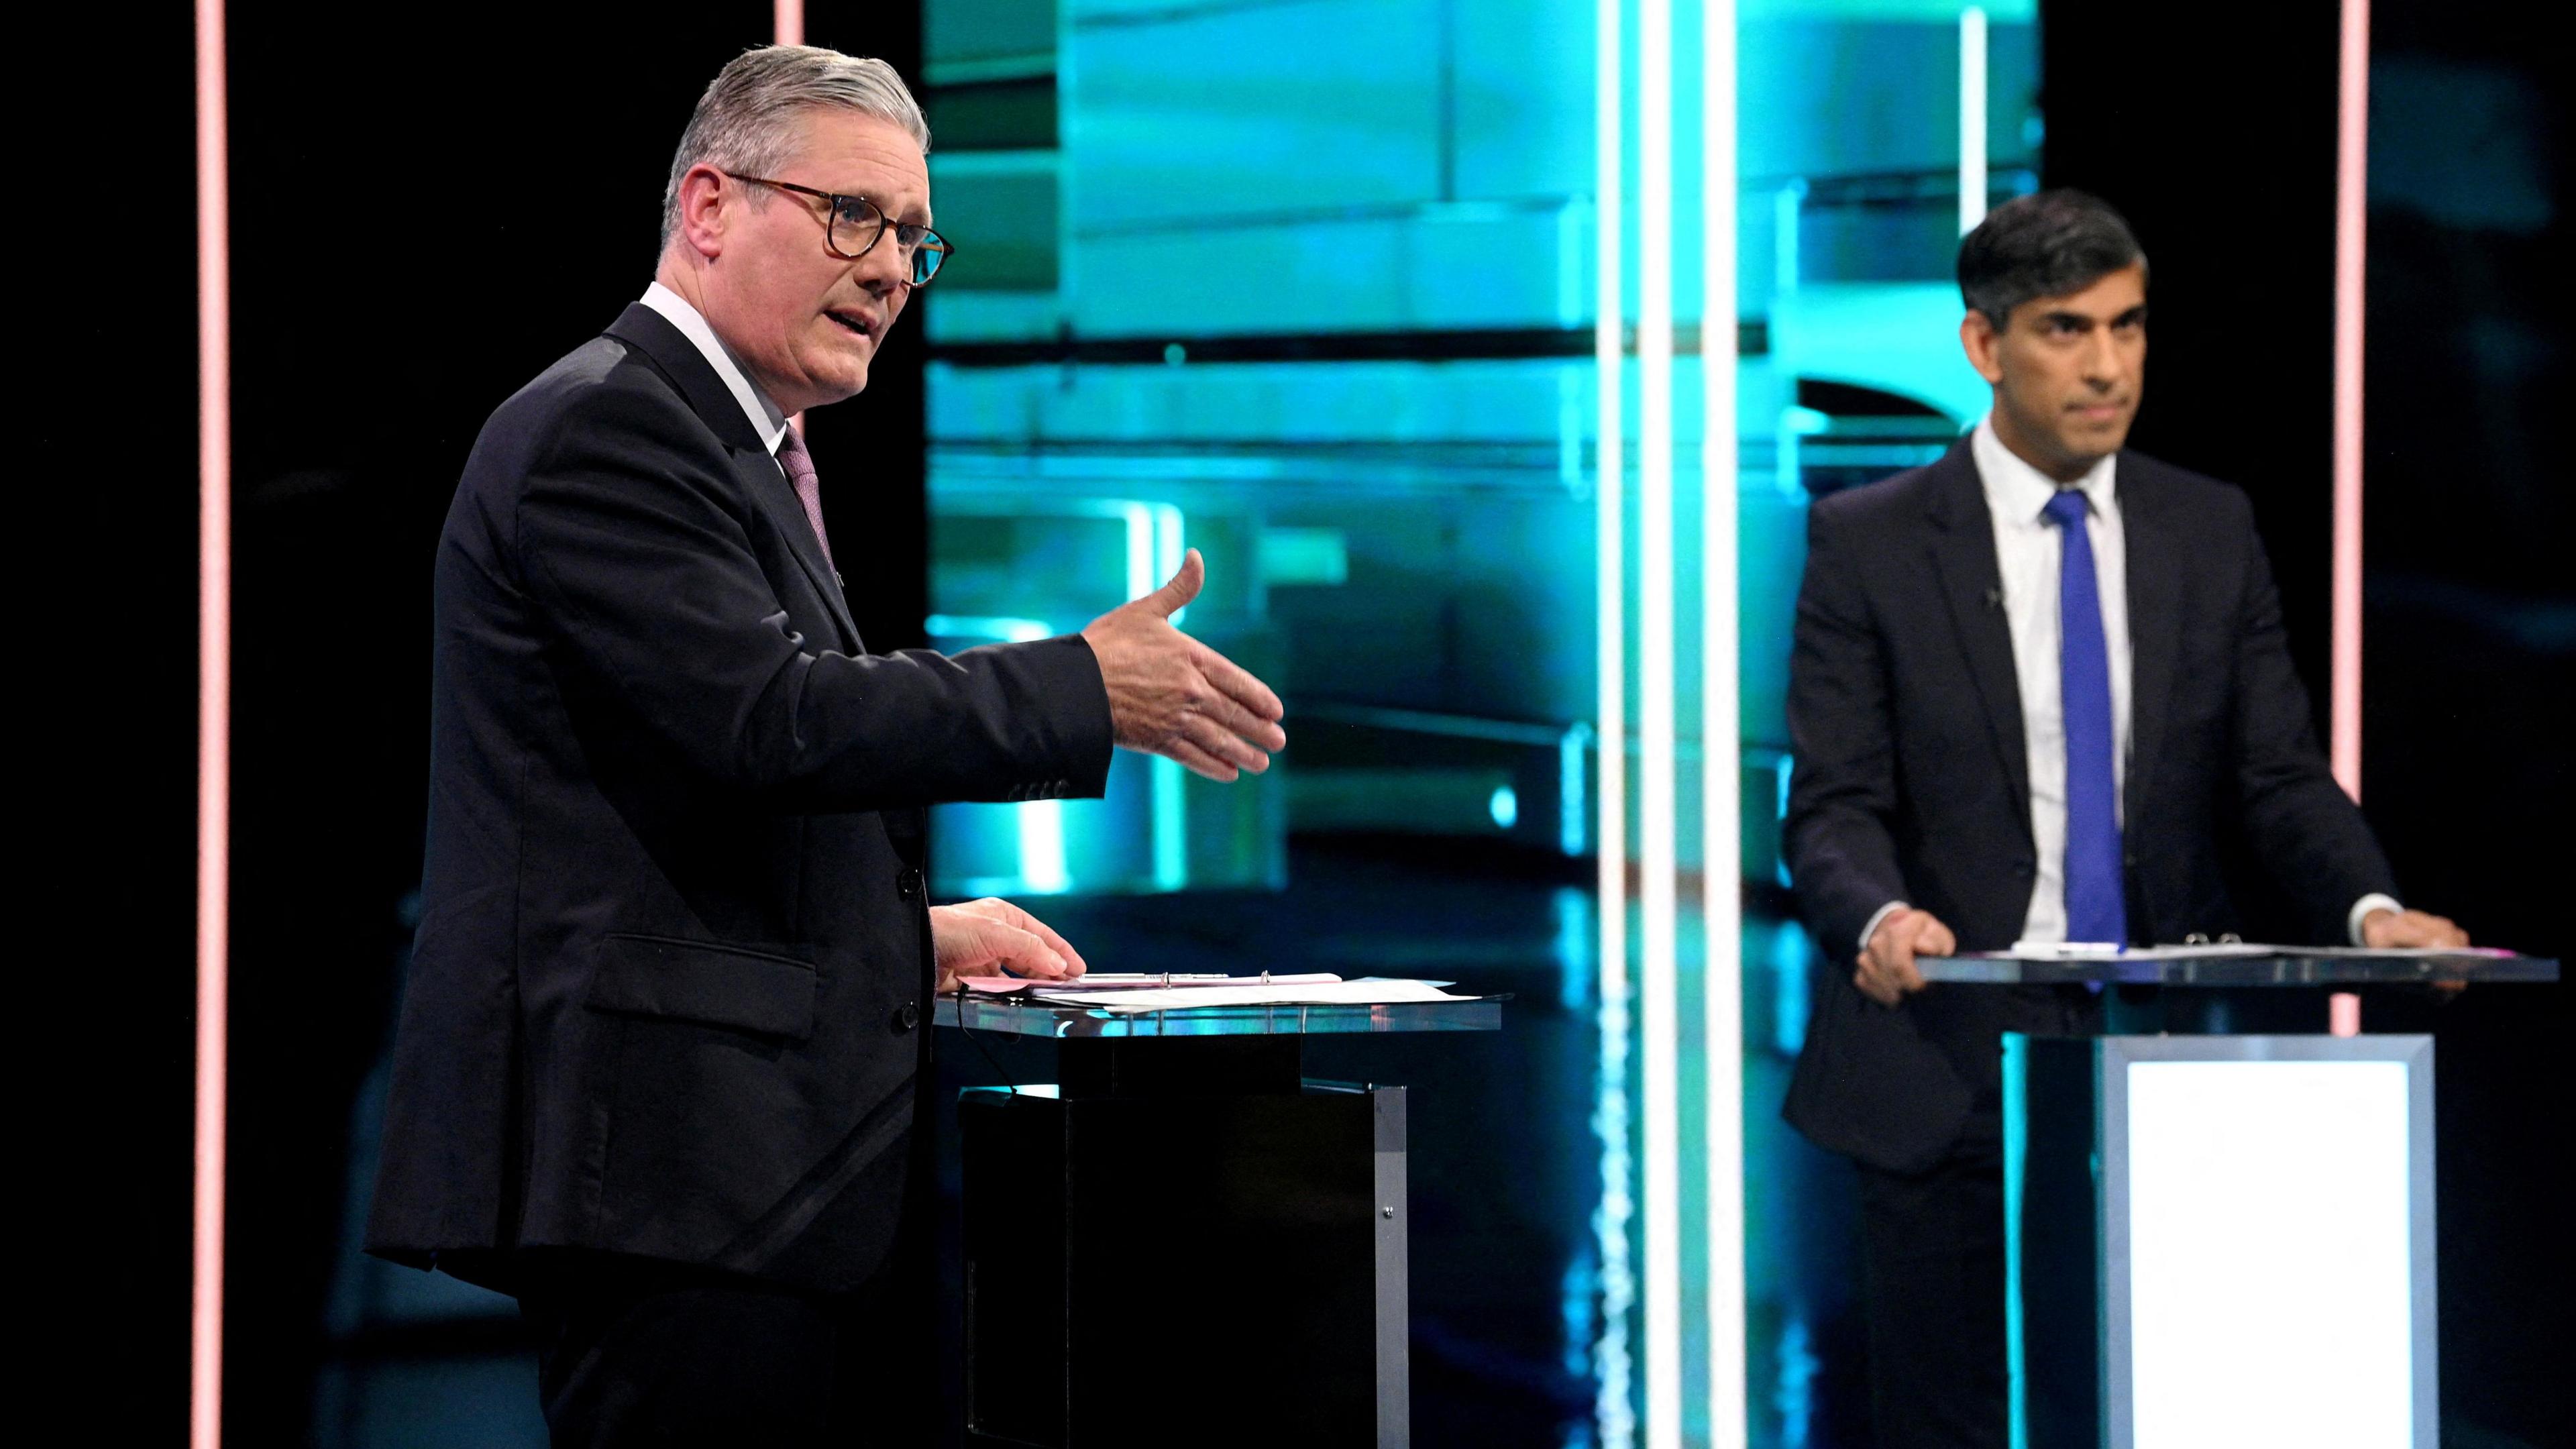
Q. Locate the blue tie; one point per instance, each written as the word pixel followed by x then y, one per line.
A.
pixel 2095 907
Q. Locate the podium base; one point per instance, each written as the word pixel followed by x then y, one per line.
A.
pixel 1185 1244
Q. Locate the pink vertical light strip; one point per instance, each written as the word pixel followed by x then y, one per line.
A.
pixel 2352 180
pixel 214 727
pixel 2343 1014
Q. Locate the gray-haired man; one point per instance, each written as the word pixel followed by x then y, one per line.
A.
pixel 662 1039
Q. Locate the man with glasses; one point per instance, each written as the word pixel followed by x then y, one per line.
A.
pixel 666 1020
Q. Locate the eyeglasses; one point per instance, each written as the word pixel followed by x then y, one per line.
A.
pixel 853 225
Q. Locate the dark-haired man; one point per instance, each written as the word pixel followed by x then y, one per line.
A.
pixel 2035 685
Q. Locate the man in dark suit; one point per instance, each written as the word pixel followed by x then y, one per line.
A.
pixel 662 1043
pixel 2039 693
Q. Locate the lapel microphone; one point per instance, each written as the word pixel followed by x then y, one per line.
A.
pixel 1994 598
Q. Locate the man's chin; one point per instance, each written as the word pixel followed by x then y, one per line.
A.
pixel 843 385
pixel 2094 444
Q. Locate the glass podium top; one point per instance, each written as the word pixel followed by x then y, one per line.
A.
pixel 1012 1016
pixel 2235 965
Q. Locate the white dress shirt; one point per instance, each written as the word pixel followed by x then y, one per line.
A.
pixel 2029 550
pixel 766 419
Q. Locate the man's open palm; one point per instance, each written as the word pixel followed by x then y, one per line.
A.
pixel 1171 695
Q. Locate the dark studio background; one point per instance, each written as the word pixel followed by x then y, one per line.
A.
pixel 430 207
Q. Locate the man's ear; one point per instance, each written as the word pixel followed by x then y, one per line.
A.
pixel 1977 338
pixel 703 210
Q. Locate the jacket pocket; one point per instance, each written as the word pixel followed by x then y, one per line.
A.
pixel 728 986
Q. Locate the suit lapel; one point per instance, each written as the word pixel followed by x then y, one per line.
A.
pixel 758 472
pixel 2155 621
pixel 1963 556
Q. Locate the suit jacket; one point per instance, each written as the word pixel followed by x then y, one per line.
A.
pixel 1910 777
pixel 669 990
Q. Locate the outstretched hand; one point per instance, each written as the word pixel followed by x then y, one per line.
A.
pixel 1171 695
pixel 979 937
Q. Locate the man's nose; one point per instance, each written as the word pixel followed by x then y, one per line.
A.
pixel 2103 363
pixel 884 268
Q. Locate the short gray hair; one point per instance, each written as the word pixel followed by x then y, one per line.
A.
pixel 747 123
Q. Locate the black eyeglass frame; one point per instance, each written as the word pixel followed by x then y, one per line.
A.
pixel 924 242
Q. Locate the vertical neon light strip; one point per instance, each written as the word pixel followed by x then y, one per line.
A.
pixel 2352 183
pixel 1155 547
pixel 1171 803
pixel 1972 118
pixel 1658 987
pixel 1611 1408
pixel 1721 778
pixel 214 727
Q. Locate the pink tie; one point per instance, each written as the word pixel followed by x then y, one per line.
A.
pixel 800 471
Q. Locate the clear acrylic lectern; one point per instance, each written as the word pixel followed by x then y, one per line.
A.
pixel 1182 1240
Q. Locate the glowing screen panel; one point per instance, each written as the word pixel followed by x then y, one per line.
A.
pixel 2271 1254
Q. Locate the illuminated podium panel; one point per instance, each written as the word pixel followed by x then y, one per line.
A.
pixel 1183 1240
pixel 2216 1241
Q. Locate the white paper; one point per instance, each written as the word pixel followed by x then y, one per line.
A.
pixel 1327 993
pixel 2096 951
pixel 2400 953
pixel 1099 981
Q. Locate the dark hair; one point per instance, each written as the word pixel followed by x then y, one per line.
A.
pixel 2046 244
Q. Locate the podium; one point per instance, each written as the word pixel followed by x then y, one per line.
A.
pixel 1182 1239
pixel 2214 1239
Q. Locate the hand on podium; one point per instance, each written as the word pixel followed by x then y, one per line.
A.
pixel 2385 928
pixel 979 937
pixel 1171 695
pixel 1887 973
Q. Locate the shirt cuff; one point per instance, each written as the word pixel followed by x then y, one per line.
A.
pixel 1892 907
pixel 2361 909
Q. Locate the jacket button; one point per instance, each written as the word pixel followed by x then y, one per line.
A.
pixel 906 1017
pixel 908 884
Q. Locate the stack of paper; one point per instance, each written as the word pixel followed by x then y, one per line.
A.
pixel 1136 981
pixel 2083 951
pixel 2105 951
pixel 1249 991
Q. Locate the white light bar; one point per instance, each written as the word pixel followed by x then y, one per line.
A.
pixel 1611 1411
pixel 1972 118
pixel 1721 779
pixel 1658 966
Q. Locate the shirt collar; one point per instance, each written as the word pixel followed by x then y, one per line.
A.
pixel 2016 492
pixel 766 419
